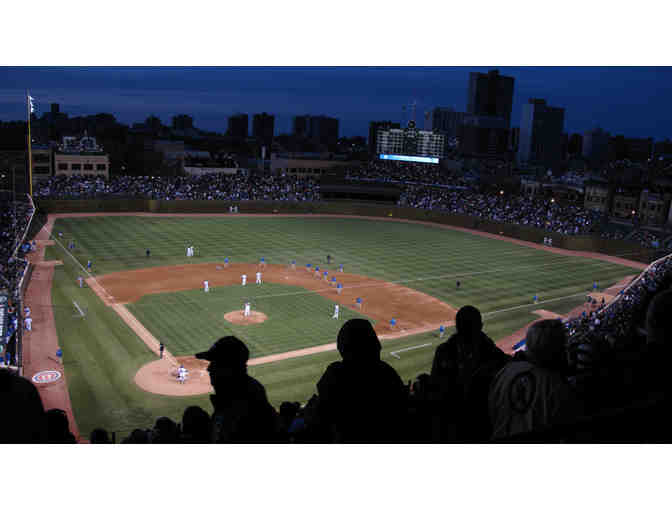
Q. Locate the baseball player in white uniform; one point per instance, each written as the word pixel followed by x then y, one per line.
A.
pixel 188 251
pixel 206 286
pixel 336 310
pixel 181 374
pixel 258 278
pixel 246 313
pixel 244 278
pixel 28 323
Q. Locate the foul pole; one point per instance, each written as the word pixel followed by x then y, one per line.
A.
pixel 29 110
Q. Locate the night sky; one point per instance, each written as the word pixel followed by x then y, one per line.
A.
pixel 632 101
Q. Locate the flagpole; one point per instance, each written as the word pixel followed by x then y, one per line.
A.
pixel 30 151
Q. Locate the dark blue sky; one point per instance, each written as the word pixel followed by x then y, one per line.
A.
pixel 633 101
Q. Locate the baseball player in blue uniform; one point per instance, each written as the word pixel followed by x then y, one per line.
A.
pixel 317 271
pixel 89 264
pixel 359 302
pixel 262 262
pixel 339 287
pixel 308 266
pixel 293 264
pixel 594 285
pixel 340 268
pixel 393 323
pixel 326 275
pixel 226 262
pixel 442 331
pixel 535 299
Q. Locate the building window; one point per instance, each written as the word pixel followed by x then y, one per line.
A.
pixel 75 166
pixel 62 166
pixel 101 167
pixel 88 166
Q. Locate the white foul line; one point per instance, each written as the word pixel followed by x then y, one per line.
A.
pixel 78 308
pixel 394 353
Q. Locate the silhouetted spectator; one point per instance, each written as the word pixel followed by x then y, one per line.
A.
pixel 534 393
pixel 462 370
pixel 165 431
pixel 138 436
pixel 58 427
pixel 195 425
pixel 99 436
pixel 23 419
pixel 361 399
pixel 242 413
pixel 287 414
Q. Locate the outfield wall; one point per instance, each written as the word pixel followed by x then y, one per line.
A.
pixel 620 248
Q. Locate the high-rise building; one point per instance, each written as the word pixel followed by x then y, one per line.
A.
pixel 376 126
pixel 596 146
pixel 541 128
pixel 183 122
pixel 263 126
pixel 490 95
pixel 301 125
pixel 446 121
pixel 238 125
pixel 323 129
pixel 483 136
pixel 410 141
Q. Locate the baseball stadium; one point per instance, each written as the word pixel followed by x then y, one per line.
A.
pixel 398 299
pixel 119 310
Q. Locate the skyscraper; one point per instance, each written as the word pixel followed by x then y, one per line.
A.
pixel 490 95
pixel 323 129
pixel 263 126
pixel 301 125
pixel 541 128
pixel 596 146
pixel 446 120
pixel 238 125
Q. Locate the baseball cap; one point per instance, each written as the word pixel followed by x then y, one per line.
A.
pixel 228 349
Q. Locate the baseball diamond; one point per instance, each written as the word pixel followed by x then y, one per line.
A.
pixel 402 270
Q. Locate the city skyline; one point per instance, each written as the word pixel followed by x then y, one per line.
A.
pixel 630 101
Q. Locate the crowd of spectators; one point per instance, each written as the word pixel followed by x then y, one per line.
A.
pixel 646 238
pixel 14 218
pixel 604 363
pixel 406 173
pixel 502 207
pixel 234 187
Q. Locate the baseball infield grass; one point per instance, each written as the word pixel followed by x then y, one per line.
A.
pixel 102 355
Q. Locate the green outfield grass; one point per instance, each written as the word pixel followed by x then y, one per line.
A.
pixel 102 354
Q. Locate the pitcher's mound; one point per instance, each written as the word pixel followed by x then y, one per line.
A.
pixel 238 318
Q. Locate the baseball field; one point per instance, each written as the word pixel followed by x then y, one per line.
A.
pixel 109 330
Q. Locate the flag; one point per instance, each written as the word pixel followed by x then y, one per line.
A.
pixel 32 106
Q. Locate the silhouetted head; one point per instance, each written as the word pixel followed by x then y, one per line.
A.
pixel 545 344
pixel 165 431
pixel 659 318
pixel 99 436
pixel 228 359
pixel 357 341
pixel 58 426
pixel 23 418
pixel 196 423
pixel 468 321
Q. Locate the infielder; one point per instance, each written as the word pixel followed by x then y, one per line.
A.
pixel 246 312
pixel 308 267
pixel 244 277
pixel 181 374
pixel 317 272
pixel 206 286
pixel 293 264
pixel 359 302
pixel 226 262
pixel 336 310
pixel 340 268
pixel 339 287
pixel 326 276
pixel 262 262
pixel 442 331
pixel 258 281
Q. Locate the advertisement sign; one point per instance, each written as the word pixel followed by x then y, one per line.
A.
pixel 412 159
